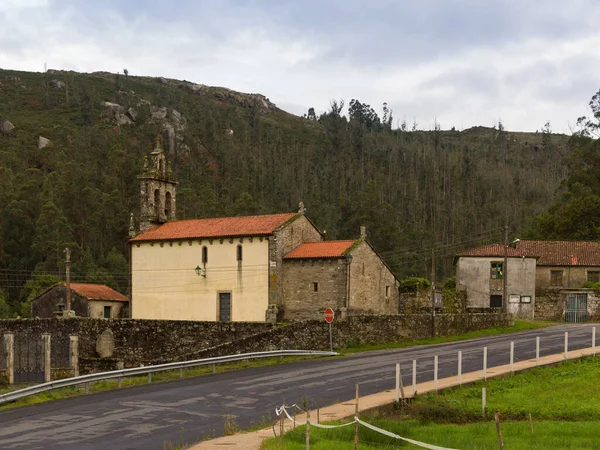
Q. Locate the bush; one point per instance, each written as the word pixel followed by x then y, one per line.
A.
pixel 591 285
pixel 414 284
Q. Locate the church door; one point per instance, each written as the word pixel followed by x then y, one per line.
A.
pixel 224 306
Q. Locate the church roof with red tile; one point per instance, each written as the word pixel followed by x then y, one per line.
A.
pixel 321 250
pixel 97 292
pixel 217 227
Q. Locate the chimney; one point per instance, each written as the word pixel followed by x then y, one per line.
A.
pixel 363 232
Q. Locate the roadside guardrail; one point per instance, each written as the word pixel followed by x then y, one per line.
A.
pixel 136 371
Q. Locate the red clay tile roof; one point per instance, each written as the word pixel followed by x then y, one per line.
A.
pixel 563 253
pixel 497 250
pixel 97 292
pixel 216 228
pixel 317 250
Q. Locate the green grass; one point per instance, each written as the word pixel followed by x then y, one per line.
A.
pixel 520 325
pixel 569 391
pixel 516 436
pixel 564 401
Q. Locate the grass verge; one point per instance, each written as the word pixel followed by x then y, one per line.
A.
pixel 563 400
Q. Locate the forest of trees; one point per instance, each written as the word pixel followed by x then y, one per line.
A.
pixel 416 191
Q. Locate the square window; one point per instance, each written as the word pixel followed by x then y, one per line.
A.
pixel 593 276
pixel 495 301
pixel 556 278
pixel 496 270
pixel 107 312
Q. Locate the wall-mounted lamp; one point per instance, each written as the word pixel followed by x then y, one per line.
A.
pixel 200 271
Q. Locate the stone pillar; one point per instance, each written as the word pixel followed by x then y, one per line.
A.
pixel 46 355
pixel 271 314
pixel 74 354
pixel 9 346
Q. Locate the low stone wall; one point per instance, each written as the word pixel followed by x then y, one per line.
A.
pixel 135 342
pixel 550 304
pixel 358 331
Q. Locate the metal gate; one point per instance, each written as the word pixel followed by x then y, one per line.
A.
pixel 29 361
pixel 576 308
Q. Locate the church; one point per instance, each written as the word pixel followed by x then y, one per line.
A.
pixel 252 268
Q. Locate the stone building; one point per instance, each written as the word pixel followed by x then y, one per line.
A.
pixel 563 268
pixel 552 277
pixel 481 273
pixel 347 276
pixel 157 191
pixel 218 269
pixel 87 300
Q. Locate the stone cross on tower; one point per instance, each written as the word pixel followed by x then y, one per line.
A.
pixel 157 190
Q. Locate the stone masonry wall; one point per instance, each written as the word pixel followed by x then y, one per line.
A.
pixel 301 301
pixel 550 303
pixel 373 287
pixel 138 341
pixel 153 342
pixel 284 241
pixel 359 330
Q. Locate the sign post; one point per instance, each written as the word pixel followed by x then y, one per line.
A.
pixel 329 315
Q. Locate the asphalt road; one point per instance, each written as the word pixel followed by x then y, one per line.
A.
pixel 145 417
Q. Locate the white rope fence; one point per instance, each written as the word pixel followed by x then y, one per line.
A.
pixel 283 409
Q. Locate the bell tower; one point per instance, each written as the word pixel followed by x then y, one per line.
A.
pixel 157 190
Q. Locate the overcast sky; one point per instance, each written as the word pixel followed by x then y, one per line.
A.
pixel 462 63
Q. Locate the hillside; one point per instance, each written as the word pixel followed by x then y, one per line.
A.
pixel 238 153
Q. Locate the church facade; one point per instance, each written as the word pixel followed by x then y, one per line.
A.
pixel 250 268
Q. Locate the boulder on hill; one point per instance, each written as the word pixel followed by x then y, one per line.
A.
pixel 58 85
pixel 158 113
pixel 43 142
pixel 6 127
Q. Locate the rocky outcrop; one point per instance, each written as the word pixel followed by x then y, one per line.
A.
pixel 58 85
pixel 158 113
pixel 252 101
pixel 43 142
pixel 6 127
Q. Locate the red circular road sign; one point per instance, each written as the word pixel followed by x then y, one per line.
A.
pixel 329 315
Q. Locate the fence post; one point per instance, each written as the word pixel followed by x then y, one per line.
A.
pixel 512 356
pixel 483 402
pixel 497 419
pixel 397 382
pixel 537 351
pixel 566 344
pixel 356 423
pixel 46 355
pixel 307 429
pixel 594 341
pixel 485 363
pixel 9 346
pixel 460 368
pixel 414 377
pixel 149 377
pixel 74 355
pixel 435 372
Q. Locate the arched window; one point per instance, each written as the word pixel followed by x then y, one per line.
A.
pixel 168 205
pixel 204 255
pixel 157 203
pixel 239 253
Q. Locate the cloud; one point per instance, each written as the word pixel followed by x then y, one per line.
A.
pixel 461 63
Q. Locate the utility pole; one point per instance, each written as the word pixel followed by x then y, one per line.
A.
pixel 432 292
pixel 68 277
pixel 505 270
